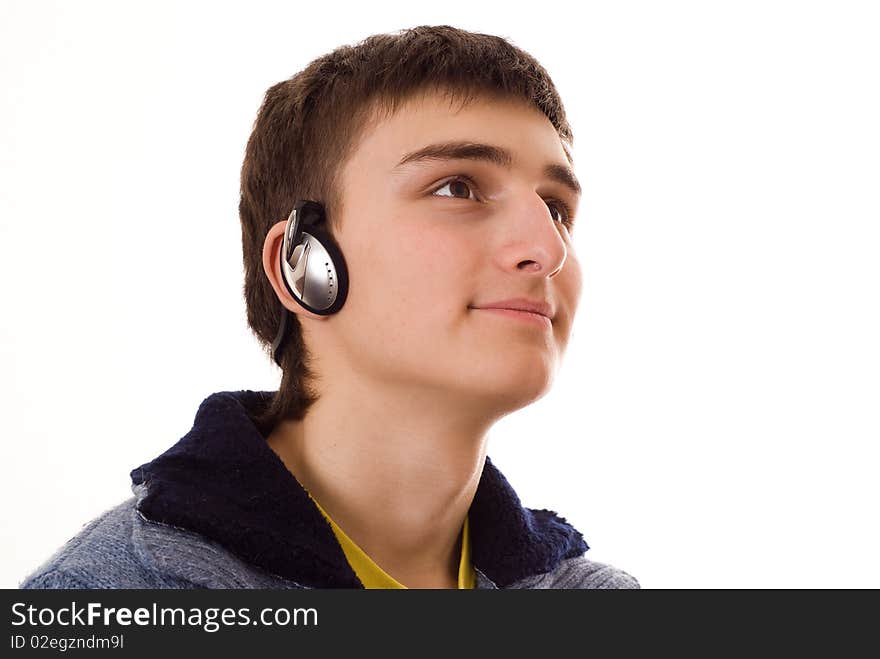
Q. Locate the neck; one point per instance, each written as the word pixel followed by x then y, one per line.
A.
pixel 397 472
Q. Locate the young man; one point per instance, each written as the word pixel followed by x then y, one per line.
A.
pixel 423 288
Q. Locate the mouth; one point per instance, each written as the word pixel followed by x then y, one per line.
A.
pixel 518 315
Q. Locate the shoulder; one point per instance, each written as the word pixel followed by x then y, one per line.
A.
pixel 582 573
pixel 104 554
pixel 123 549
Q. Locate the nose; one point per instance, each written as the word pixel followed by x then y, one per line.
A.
pixel 534 243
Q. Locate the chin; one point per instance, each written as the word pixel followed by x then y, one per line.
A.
pixel 513 389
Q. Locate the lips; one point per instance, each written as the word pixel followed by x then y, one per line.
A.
pixel 521 304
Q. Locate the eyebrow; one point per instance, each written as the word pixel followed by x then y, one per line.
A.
pixel 492 153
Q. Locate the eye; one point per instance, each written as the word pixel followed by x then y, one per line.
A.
pixel 459 188
pixel 563 212
pixel 462 187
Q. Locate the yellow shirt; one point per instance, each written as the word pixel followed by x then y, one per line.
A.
pixel 373 576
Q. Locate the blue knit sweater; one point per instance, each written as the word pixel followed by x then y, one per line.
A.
pixel 220 510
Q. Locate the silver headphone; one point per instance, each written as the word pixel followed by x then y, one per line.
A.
pixel 312 267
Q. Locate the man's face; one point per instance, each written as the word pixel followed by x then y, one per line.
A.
pixel 429 240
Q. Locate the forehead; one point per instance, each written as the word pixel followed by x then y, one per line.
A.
pixel 434 117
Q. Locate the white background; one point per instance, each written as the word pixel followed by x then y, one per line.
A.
pixel 715 423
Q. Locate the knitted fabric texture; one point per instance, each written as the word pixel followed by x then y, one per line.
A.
pixel 219 509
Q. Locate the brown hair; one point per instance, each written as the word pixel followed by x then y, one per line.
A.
pixel 307 127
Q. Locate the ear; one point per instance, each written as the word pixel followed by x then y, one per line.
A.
pixel 272 268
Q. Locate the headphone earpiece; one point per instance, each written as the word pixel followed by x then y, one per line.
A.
pixel 312 266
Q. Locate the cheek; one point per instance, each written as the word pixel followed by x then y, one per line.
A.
pixel 417 277
pixel 573 282
pixel 439 269
pixel 569 284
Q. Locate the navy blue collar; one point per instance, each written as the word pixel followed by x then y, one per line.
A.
pixel 222 480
